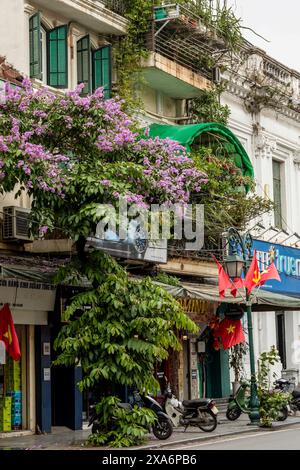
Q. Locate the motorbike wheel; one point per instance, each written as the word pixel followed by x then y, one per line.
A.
pixel 209 423
pixel 283 414
pixel 233 414
pixel 162 430
pixel 95 428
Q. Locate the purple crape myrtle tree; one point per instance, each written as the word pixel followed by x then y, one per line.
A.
pixel 72 154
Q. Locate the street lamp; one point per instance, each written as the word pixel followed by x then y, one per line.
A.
pixel 234 266
pixel 237 262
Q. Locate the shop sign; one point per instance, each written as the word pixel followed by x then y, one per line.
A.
pixel 154 251
pixel 287 262
pixel 47 374
pixel 27 295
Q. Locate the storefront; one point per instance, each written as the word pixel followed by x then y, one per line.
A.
pixel 24 383
pixel 204 371
pixel 282 325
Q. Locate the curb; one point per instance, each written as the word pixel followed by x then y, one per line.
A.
pixel 214 436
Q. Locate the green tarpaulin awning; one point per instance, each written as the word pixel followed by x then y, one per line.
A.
pixel 186 135
pixel 261 300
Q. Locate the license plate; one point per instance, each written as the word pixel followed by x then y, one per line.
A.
pixel 215 410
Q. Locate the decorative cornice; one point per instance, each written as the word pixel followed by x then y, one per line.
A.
pixel 29 9
pixel 235 88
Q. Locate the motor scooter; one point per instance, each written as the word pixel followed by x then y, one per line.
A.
pixel 240 403
pixel 200 413
pixel 288 386
pixel 162 428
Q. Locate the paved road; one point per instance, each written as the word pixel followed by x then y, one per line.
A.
pixel 283 439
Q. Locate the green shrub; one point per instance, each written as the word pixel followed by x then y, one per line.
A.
pixel 121 427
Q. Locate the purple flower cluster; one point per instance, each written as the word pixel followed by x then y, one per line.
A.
pixel 172 172
pixel 45 129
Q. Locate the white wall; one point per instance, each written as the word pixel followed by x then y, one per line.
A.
pixel 14 34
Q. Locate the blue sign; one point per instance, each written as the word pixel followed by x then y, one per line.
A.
pixel 287 262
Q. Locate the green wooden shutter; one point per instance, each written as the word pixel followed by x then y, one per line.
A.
pixel 58 57
pixel 84 64
pixel 102 70
pixel 35 47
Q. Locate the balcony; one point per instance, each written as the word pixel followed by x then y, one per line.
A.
pixel 180 47
pixel 104 17
pixel 117 6
pixel 270 84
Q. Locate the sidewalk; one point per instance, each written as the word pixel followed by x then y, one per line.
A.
pixel 65 439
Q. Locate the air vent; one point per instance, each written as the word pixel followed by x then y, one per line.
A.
pixel 16 223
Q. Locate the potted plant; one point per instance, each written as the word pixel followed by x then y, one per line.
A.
pixel 236 362
pixel 272 402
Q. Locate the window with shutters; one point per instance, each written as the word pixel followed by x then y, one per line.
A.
pixel 277 194
pixel 35 47
pixel 102 69
pixel 84 64
pixel 57 57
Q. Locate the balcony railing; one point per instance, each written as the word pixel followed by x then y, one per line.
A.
pixel 176 249
pixel 277 73
pixel 117 6
pixel 180 35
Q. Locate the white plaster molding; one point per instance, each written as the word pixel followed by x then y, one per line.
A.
pixel 264 146
pixel 29 9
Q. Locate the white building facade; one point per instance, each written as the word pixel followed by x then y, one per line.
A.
pixel 268 125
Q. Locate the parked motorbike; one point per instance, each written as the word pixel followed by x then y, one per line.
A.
pixel 200 413
pixel 240 403
pixel 162 428
pixel 289 386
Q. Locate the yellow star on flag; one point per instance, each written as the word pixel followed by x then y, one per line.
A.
pixel 8 335
pixel 230 329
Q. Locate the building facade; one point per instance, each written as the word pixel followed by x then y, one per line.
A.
pixel 65 42
pixel 57 44
pixel 268 125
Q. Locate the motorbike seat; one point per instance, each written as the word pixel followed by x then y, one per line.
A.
pixel 296 393
pixel 195 403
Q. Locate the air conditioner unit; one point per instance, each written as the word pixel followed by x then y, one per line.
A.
pixel 16 223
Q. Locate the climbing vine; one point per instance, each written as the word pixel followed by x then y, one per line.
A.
pixel 207 107
pixel 131 49
pixel 218 20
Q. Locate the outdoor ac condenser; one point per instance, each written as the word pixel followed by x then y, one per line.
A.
pixel 16 223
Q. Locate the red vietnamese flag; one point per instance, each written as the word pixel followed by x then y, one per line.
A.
pixel 253 276
pixel 269 273
pixel 230 332
pixel 256 278
pixel 224 279
pixel 238 283
pixel 8 333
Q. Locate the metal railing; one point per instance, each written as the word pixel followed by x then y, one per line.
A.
pixel 179 34
pixel 117 6
pixel 177 249
pixel 184 51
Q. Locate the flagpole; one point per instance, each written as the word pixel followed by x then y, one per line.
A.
pixel 254 401
pixel 243 244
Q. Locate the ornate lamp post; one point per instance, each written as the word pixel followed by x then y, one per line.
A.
pixel 237 263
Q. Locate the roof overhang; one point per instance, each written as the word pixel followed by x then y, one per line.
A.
pixel 260 299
